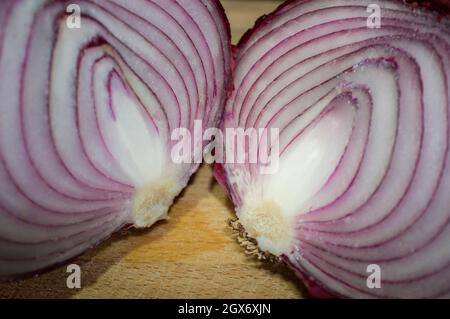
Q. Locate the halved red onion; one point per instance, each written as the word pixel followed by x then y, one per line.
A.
pixel 86 116
pixel 364 168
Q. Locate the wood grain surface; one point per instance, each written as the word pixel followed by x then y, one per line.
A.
pixel 191 255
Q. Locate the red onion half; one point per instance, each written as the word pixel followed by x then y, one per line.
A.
pixel 364 167
pixel 87 108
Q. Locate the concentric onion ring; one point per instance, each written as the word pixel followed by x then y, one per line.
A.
pixel 86 116
pixel 364 120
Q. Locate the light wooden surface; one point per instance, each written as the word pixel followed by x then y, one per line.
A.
pixel 192 255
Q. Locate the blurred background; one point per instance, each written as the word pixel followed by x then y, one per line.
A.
pixel 243 14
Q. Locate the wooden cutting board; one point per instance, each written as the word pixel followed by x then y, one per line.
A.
pixel 192 255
